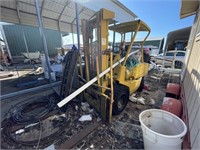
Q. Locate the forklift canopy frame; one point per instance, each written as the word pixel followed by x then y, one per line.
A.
pixel 130 27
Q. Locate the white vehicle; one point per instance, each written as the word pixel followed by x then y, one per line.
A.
pixel 171 56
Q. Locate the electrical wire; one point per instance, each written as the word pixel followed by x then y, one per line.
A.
pixel 33 111
pixel 39 135
pixel 27 113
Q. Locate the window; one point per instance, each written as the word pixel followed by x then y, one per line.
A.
pixel 169 54
pixel 180 54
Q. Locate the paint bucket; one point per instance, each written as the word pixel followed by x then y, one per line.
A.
pixel 162 129
pixel 172 105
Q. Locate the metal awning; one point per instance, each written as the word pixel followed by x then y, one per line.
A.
pixel 189 7
pixel 59 14
pixel 122 13
pixel 130 27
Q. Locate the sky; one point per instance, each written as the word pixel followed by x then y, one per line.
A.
pixel 162 16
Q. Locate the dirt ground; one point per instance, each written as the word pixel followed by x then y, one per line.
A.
pixel 123 133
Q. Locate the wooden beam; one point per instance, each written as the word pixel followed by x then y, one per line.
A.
pixel 79 136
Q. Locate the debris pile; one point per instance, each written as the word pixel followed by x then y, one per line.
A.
pixel 57 128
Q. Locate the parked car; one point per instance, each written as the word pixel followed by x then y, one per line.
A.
pixel 170 57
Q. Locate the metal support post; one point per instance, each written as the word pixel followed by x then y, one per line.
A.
pixel 6 43
pixel 26 46
pixel 23 33
pixel 61 42
pixel 43 38
pixel 113 46
pixel 77 26
pixel 72 33
pixel 35 89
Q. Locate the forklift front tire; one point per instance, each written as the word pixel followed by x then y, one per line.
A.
pixel 121 97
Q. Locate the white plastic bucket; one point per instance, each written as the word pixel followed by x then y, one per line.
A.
pixel 162 130
pixel 53 75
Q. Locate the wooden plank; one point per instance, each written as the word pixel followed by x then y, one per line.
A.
pixel 79 136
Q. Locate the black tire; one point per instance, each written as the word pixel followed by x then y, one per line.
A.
pixel 121 97
pixel 141 87
pixel 178 64
pixel 68 76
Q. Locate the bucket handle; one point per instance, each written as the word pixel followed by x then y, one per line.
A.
pixel 153 140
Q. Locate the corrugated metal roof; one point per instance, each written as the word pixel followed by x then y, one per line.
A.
pixel 122 13
pixel 62 11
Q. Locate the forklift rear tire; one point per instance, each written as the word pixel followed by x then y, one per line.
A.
pixel 121 97
pixel 141 87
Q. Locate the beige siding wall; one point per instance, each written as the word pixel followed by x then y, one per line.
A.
pixel 191 83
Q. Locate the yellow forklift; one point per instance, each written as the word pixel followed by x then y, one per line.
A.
pixel 106 80
pixel 110 95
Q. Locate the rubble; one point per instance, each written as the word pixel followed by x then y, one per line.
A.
pixel 123 133
pixel 85 118
pixel 19 131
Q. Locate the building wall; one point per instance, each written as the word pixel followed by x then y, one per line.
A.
pixel 158 43
pixel 16 43
pixel 191 83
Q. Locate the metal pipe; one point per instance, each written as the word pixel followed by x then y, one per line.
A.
pixel 125 37
pixel 72 33
pixel 30 90
pixel 43 38
pixel 89 83
pixel 97 67
pixel 111 87
pixel 77 26
pixel 61 42
pixel 130 46
pixel 142 51
pixel 26 46
pixel 113 39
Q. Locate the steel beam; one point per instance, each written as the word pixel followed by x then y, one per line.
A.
pixel 34 14
pixel 43 38
pixel 43 87
pixel 77 26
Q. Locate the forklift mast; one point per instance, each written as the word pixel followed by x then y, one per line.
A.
pixel 96 57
